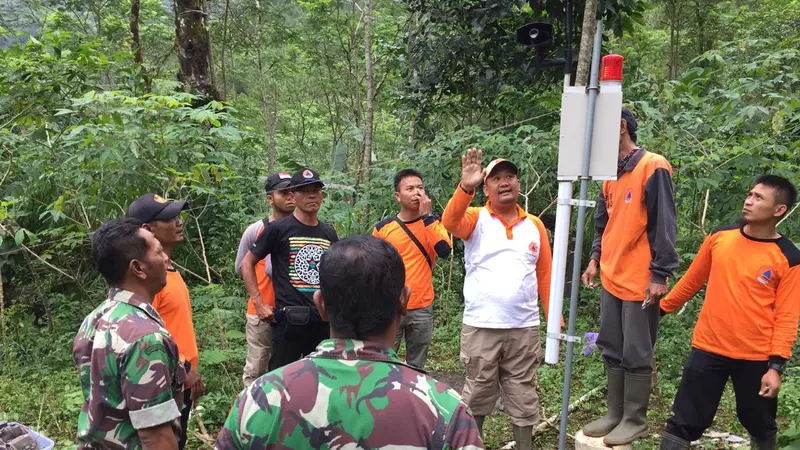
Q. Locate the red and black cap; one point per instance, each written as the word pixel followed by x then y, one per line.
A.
pixel 150 207
pixel 278 181
pixel 304 177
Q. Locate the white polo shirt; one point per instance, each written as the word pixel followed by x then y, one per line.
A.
pixel 507 264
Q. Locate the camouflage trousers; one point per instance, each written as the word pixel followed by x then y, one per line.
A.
pixel 259 348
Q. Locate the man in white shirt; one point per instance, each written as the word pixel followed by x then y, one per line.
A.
pixel 507 259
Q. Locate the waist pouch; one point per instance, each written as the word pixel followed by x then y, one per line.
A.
pixel 295 315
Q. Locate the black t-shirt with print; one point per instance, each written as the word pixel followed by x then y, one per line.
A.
pixel 295 251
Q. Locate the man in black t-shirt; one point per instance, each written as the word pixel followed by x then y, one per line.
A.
pixel 295 245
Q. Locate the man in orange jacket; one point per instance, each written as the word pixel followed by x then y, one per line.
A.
pixel 162 217
pixel 748 323
pixel 419 237
pixel 634 251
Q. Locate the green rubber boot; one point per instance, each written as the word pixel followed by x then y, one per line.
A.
pixel 479 420
pixel 634 410
pixel 616 392
pixel 523 437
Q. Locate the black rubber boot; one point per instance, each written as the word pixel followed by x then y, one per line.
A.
pixel 672 442
pixel 763 444
pixel 634 410
pixel 616 389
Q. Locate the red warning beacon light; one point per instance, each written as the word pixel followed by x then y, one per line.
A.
pixel 611 70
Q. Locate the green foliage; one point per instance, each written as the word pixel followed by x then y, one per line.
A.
pixel 714 85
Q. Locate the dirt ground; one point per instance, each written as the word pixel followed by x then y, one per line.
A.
pixel 453 379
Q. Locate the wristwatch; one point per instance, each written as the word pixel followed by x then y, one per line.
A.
pixel 776 367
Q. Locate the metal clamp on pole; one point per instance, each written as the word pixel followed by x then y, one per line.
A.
pixel 577 202
pixel 566 338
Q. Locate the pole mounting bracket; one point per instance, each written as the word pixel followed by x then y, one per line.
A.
pixel 566 338
pixel 577 202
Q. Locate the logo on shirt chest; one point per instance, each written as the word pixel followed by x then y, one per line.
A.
pixel 628 195
pixel 305 255
pixel 627 198
pixel 765 275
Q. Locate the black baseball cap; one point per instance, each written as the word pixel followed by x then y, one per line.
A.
pixel 304 177
pixel 150 207
pixel 277 181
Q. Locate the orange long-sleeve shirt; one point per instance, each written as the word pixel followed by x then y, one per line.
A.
pixel 419 274
pixel 752 301
pixel 174 306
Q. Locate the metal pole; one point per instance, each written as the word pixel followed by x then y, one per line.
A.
pixel 576 267
pixel 560 250
pixel 561 234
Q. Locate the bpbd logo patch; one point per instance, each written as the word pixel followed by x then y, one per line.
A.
pixel 629 195
pixel 765 275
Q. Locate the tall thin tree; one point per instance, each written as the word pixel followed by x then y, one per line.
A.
pixel 587 36
pixel 369 115
pixel 136 43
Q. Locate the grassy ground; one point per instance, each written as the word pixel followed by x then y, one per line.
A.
pixel 39 385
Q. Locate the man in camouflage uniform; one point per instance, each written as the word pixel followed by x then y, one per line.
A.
pixel 130 374
pixel 353 391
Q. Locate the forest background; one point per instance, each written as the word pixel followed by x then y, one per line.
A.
pixel 103 100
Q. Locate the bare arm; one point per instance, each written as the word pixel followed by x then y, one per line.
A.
pixel 248 270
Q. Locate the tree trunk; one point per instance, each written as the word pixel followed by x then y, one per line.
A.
pixel 270 112
pixel 699 14
pixel 194 48
pixel 272 131
pixel 211 70
pixel 224 47
pixel 675 10
pixel 587 40
pixel 365 166
pixel 97 13
pixel 136 43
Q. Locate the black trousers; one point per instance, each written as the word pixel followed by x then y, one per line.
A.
pixel 292 342
pixel 704 379
pixel 187 408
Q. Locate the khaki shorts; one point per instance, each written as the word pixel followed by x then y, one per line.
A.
pixel 511 357
pixel 259 348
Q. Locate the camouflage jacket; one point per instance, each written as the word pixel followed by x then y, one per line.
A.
pixel 130 374
pixel 349 394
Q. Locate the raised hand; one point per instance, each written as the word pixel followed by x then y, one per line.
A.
pixel 471 169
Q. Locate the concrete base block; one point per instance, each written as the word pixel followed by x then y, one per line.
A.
pixel 583 442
